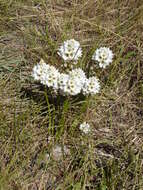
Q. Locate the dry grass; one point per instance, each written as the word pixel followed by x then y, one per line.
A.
pixel 32 122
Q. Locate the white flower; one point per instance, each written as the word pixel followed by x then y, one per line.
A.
pixel 38 70
pixel 104 56
pixel 78 75
pixel 72 83
pixel 85 127
pixel 70 50
pixel 75 82
pixel 50 77
pixel 46 74
pixel 72 88
pixel 91 86
pixel 62 81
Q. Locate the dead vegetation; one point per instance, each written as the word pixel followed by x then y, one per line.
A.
pixel 32 123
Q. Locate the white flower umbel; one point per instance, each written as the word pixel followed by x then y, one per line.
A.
pixel 50 77
pixel 46 74
pixel 39 69
pixel 78 75
pixel 72 83
pixel 62 81
pixel 75 82
pixel 85 127
pixel 104 56
pixel 91 86
pixel 70 50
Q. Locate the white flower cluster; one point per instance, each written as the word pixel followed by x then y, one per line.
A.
pixel 91 86
pixel 70 50
pixel 46 74
pixel 75 81
pixel 104 56
pixel 85 127
pixel 72 83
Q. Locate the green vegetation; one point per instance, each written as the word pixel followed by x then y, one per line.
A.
pixel 32 122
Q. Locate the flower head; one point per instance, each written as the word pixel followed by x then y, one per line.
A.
pixel 70 50
pixel 104 56
pixel 46 74
pixel 78 75
pixel 62 81
pixel 75 82
pixel 72 83
pixel 91 86
pixel 85 127
pixel 50 77
pixel 72 88
pixel 39 69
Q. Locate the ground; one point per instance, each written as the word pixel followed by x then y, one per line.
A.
pixel 33 123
